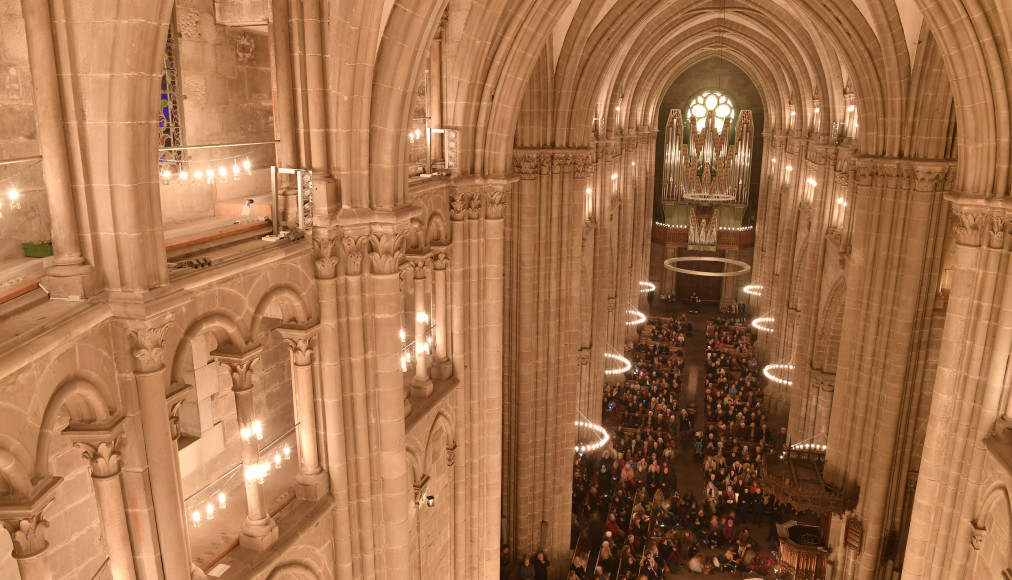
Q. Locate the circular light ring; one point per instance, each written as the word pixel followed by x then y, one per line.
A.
pixel 646 287
pixel 626 364
pixel 753 289
pixel 672 264
pixel 709 197
pixel 602 439
pixel 761 322
pixel 638 317
pixel 767 370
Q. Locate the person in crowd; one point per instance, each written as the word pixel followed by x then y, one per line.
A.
pixel 527 568
pixel 541 564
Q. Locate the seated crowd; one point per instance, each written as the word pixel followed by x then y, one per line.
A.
pixel 630 521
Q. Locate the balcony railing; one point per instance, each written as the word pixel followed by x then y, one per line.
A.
pixel 727 238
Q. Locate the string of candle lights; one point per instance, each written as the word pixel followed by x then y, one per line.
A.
pixel 768 371
pixel 624 364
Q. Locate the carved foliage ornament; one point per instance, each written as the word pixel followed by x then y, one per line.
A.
pixel 440 261
pixel 354 247
pixel 584 165
pixel 527 165
pixel 967 228
pixel 302 350
pixel 495 204
pixel 242 374
pixel 148 348
pixel 28 535
pixel 387 249
pixel 325 257
pixel 977 538
pixel 104 458
pixel 458 205
pixel 996 234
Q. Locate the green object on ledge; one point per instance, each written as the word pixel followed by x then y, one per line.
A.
pixel 40 250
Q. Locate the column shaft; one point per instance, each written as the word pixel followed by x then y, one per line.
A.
pixel 109 494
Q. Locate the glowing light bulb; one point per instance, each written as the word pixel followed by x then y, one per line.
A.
pixel 614 176
pixel 817 110
pixel 209 174
pixel 245 434
pixel 287 451
pixel 222 172
pixel 12 194
pixel 850 108
pixel 246 165
pixel 196 518
pixel 184 175
pixel 404 364
pixel 209 512
pixel 427 349
pixel 403 335
pixel 277 460
pixel 258 430
pixel 840 201
pixel 774 160
pixel 235 171
pixel 589 191
pixel 222 501
pixel 634 164
pixel 166 175
pixel 618 108
pixel 198 175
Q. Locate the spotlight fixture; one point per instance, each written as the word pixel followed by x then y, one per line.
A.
pixel 430 500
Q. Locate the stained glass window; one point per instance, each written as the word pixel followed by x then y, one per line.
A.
pixel 169 130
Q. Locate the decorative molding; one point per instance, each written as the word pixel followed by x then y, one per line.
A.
pixel 545 162
pixel 387 252
pixel 148 346
pixel 451 453
pixel 104 457
pixel 325 257
pixel 419 487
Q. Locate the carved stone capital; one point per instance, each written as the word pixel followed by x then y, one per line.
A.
pixel 544 163
pixel 386 252
pixel 440 261
pixel 28 535
pixel 476 209
pixel 527 165
pixel 977 538
pixel 451 453
pixel 420 267
pixel 996 233
pixel 458 205
pixel 495 203
pixel 353 248
pixel 325 257
pixel 968 227
pixel 148 346
pixel 103 457
pixel 301 349
pixel 240 366
pixel 584 165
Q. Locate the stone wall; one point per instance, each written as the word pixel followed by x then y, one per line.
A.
pixel 225 97
pixel 18 139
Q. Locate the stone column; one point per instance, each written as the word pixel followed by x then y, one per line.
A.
pixel 28 534
pixel 421 385
pixel 259 531
pixel 326 254
pixel 311 482
pixel 102 450
pixel 441 366
pixel 969 385
pixel 492 381
pixel 386 253
pixel 284 107
pixel 68 261
pixel 161 451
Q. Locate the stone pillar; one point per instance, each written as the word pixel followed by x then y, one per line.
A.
pixel 421 385
pixel 69 267
pixel 436 94
pixel 492 381
pixel 326 256
pixel 969 385
pixel 386 253
pixel 161 452
pixel 259 531
pixel 311 482
pixel 441 367
pixel 28 534
pixel 102 450
pixel 284 107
